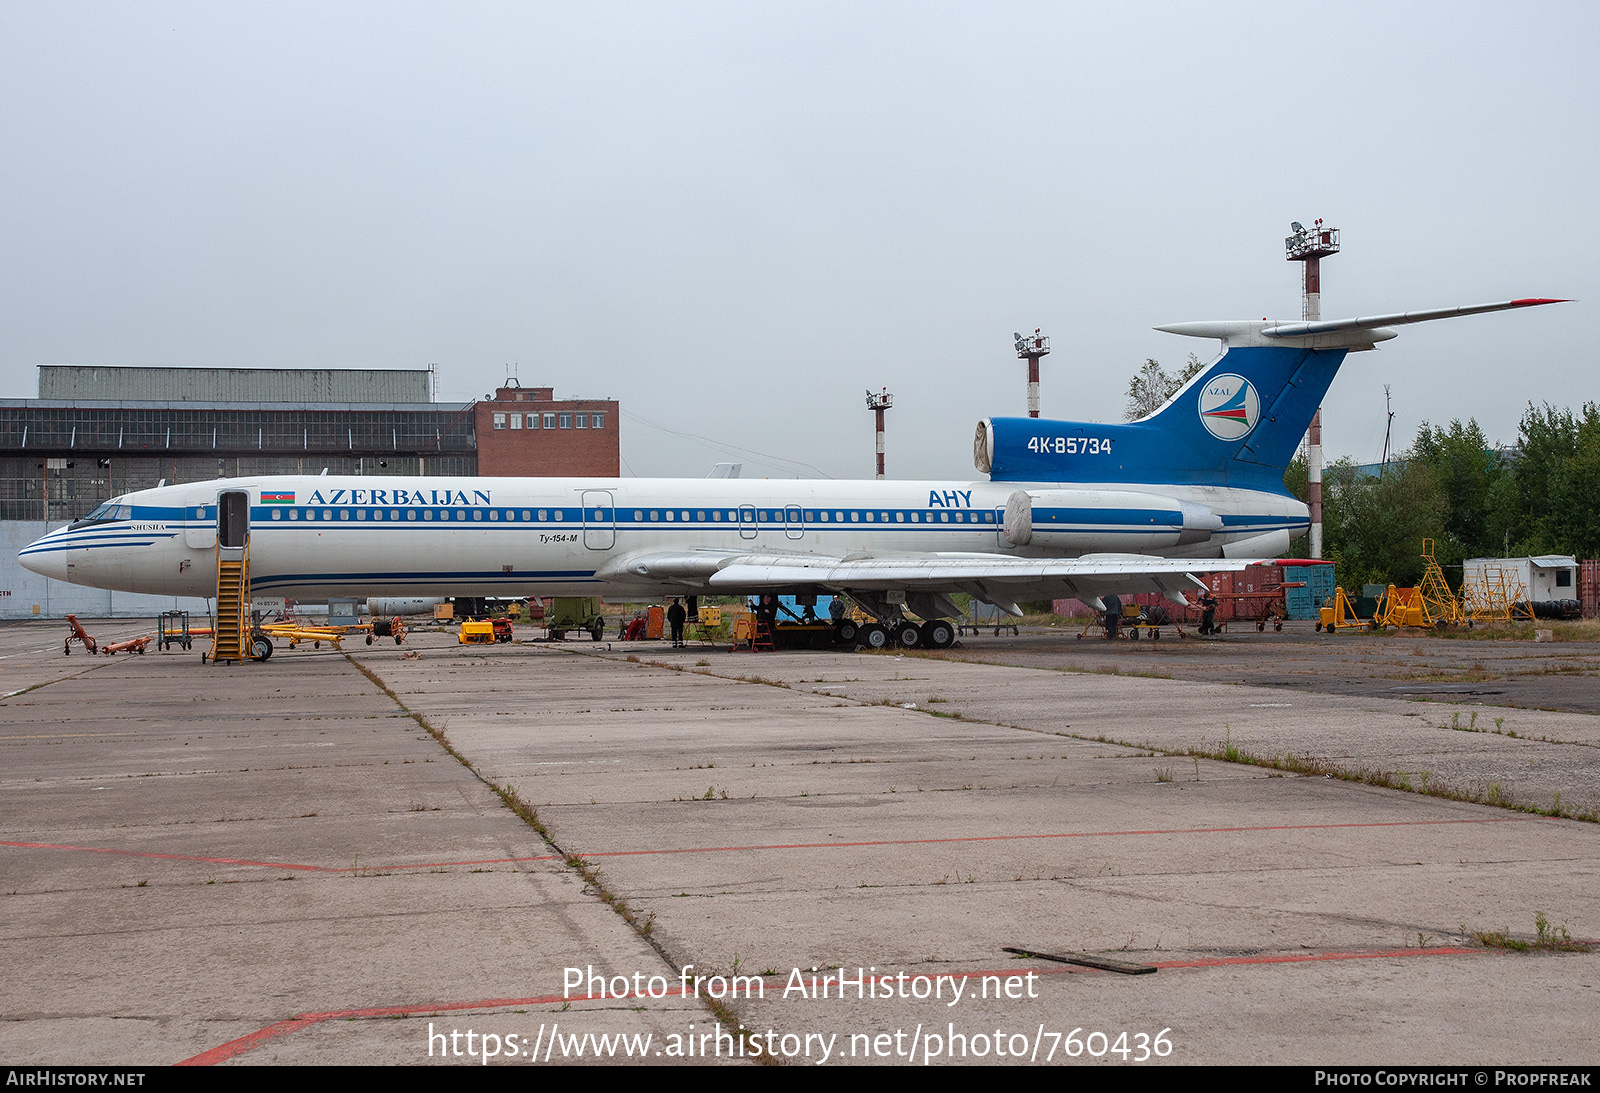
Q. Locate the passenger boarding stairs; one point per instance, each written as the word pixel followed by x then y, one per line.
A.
pixel 232 636
pixel 230 639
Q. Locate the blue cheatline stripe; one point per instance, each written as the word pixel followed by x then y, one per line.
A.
pixel 106 535
pixel 88 546
pixel 980 521
pixel 1168 523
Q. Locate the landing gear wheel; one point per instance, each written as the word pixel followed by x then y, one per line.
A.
pixel 846 632
pixel 908 635
pixel 874 637
pixel 261 648
pixel 938 634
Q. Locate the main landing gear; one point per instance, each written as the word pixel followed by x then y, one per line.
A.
pixel 934 634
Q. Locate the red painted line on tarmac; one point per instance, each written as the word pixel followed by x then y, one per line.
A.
pixel 768 846
pixel 248 1042
pixel 234 1048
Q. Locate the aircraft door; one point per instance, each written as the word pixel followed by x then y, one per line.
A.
pixel 793 524
pixel 599 520
pixel 198 532
pixel 747 522
pixel 233 520
pixel 1000 527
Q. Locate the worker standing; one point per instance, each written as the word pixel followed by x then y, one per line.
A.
pixel 675 616
pixel 1208 612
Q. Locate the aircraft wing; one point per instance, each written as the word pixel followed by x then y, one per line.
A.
pixel 993 578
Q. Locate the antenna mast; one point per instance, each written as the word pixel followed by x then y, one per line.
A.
pixel 1031 349
pixel 1309 248
pixel 878 404
pixel 1388 422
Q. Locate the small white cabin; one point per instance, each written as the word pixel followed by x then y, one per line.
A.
pixel 1546 577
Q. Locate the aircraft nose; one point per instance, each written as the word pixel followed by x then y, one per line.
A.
pixel 44 557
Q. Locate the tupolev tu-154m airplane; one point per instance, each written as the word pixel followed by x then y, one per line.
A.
pixel 1068 509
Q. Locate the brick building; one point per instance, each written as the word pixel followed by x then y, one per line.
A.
pixel 527 431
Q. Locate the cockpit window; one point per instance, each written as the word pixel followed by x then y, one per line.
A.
pixel 114 509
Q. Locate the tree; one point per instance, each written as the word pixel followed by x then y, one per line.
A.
pixel 1151 388
pixel 1544 503
pixel 1373 526
pixel 1468 473
pixel 1548 439
pixel 1572 524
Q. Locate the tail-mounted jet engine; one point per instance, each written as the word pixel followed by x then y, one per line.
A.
pixel 1105 520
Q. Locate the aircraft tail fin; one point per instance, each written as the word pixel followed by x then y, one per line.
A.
pixel 1238 423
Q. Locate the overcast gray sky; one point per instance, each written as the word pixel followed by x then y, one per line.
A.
pixel 737 217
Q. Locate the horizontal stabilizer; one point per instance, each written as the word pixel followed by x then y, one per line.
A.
pixel 1358 333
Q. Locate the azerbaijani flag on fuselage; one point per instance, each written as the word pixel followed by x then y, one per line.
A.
pixel 277 498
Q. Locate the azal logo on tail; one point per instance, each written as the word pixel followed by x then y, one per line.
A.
pixel 1229 407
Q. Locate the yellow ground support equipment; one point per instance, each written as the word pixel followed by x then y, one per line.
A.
pixel 231 637
pixel 1131 618
pixel 476 633
pixel 296 632
pixel 1402 607
pixel 1495 593
pixel 1339 613
pixel 744 630
pixel 1439 603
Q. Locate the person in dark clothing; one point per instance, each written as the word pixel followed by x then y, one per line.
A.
pixel 675 617
pixel 767 612
pixel 1208 612
pixel 1113 616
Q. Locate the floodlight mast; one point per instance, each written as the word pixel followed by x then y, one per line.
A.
pixel 1030 349
pixel 878 404
pixel 1309 248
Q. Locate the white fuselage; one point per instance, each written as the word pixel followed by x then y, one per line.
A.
pixel 368 536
